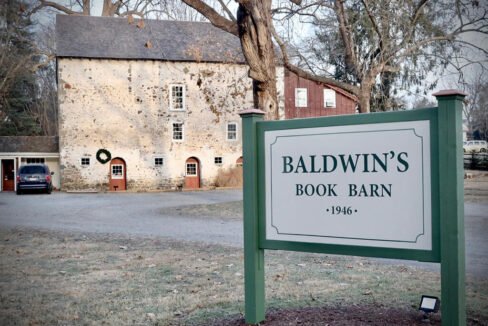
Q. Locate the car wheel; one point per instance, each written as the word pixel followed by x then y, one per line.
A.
pixel 48 191
pixel 19 192
pixel 483 150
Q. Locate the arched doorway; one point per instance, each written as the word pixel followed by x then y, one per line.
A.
pixel 239 161
pixel 118 175
pixel 192 173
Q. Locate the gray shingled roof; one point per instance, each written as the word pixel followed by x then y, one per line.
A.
pixel 29 144
pixel 116 38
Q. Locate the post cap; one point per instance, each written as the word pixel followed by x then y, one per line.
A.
pixel 449 92
pixel 251 111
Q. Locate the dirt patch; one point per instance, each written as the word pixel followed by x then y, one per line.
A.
pixel 52 278
pixel 341 316
pixel 229 211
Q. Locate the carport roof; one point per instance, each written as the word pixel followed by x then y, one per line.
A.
pixel 29 144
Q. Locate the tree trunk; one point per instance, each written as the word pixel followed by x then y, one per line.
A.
pixel 265 95
pixel 254 20
pixel 86 7
pixel 365 96
pixel 109 8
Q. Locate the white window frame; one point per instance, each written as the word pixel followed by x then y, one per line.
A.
pixel 115 176
pixel 330 94
pixel 183 95
pixel 228 132
pixel 162 161
pixel 85 158
pixel 301 97
pixel 186 169
pixel 35 160
pixel 173 131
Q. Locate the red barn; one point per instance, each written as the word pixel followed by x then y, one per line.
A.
pixel 307 98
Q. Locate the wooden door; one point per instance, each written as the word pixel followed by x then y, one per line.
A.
pixel 192 175
pixel 118 175
pixel 8 175
pixel 239 161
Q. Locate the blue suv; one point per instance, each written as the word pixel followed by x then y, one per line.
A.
pixel 34 177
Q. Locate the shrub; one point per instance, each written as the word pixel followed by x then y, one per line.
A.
pixel 230 177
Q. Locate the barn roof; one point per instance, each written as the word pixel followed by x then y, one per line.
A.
pixel 120 38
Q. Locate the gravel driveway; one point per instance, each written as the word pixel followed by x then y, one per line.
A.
pixel 157 214
pixel 123 213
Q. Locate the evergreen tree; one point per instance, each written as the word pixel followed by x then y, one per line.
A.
pixel 17 71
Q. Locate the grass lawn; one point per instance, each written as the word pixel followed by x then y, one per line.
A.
pixel 53 278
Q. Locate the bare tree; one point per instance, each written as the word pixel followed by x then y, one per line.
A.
pixel 155 9
pixel 20 60
pixel 475 107
pixel 110 8
pixel 373 43
pixel 178 10
pixel 45 106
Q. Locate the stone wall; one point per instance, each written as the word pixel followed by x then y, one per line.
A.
pixel 123 106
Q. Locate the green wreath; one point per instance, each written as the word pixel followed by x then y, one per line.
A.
pixel 103 156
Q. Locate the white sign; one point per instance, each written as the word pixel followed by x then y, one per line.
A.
pixel 363 185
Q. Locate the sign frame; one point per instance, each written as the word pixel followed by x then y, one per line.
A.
pixel 429 115
pixel 447 173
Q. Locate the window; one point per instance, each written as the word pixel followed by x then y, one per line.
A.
pixel 218 160
pixel 329 98
pixel 232 131
pixel 301 97
pixel 117 171
pixel 177 97
pixel 177 131
pixel 85 161
pixel 32 169
pixel 35 160
pixel 191 169
pixel 158 161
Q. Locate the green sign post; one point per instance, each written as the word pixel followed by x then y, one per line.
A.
pixel 451 178
pixel 375 185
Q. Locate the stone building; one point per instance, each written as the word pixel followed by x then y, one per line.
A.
pixel 161 98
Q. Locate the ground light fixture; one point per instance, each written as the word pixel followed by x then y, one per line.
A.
pixel 429 304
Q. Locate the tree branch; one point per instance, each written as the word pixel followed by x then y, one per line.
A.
pixel 305 74
pixel 418 10
pixel 372 20
pixel 57 6
pixel 227 11
pixel 215 18
pixel 302 10
pixel 346 37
